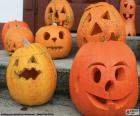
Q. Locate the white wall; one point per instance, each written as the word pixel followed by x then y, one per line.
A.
pixel 11 10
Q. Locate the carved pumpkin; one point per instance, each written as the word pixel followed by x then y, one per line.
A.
pixel 104 79
pixel 31 75
pixel 100 22
pixel 57 40
pixel 128 10
pixel 60 12
pixel 14 37
pixel 12 24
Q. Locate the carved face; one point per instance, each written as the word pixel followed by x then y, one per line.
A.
pixel 103 79
pixel 14 37
pixel 57 40
pixel 12 24
pixel 60 12
pixel 128 9
pixel 31 75
pixel 100 25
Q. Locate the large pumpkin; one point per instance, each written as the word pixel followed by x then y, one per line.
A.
pixel 60 12
pixel 14 37
pixel 57 40
pixel 104 79
pixel 128 12
pixel 12 24
pixel 31 75
pixel 100 22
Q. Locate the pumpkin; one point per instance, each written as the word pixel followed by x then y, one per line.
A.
pixel 12 24
pixel 14 37
pixel 60 12
pixel 57 40
pixel 128 12
pixel 104 79
pixel 100 22
pixel 31 75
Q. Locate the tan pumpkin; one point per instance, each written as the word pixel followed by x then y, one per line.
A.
pixel 57 40
pixel 100 22
pixel 14 37
pixel 60 12
pixel 128 12
pixel 31 75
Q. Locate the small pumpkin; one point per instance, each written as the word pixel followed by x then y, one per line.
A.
pixel 100 22
pixel 104 79
pixel 60 12
pixel 31 75
pixel 14 37
pixel 12 24
pixel 57 40
pixel 128 12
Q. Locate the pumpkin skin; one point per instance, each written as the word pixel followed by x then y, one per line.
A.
pixel 60 12
pixel 128 12
pixel 12 24
pixel 57 40
pixel 14 37
pixel 98 25
pixel 31 75
pixel 104 79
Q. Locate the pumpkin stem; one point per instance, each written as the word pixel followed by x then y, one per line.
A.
pixel 25 42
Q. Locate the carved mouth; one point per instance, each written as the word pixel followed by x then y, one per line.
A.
pixel 55 48
pixel 29 73
pixel 128 16
pixel 107 104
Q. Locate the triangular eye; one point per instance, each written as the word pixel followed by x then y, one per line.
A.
pixel 16 62
pixel 89 17
pixel 63 10
pixel 106 15
pixel 96 29
pixel 50 10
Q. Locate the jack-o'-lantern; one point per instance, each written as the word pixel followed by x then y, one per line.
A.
pixel 128 10
pixel 104 79
pixel 14 37
pixel 100 22
pixel 57 40
pixel 12 24
pixel 31 75
pixel 60 12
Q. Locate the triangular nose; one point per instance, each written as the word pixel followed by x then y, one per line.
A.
pixel 96 29
pixel 54 39
pixel 56 14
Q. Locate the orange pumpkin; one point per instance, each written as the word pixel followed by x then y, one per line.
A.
pixel 128 12
pixel 57 40
pixel 104 79
pixel 14 37
pixel 12 24
pixel 60 12
pixel 100 22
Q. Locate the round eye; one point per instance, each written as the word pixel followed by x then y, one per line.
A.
pixel 61 35
pixel 96 75
pixel 119 74
pixel 46 35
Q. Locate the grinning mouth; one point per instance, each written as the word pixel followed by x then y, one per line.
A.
pixel 29 73
pixel 128 16
pixel 54 48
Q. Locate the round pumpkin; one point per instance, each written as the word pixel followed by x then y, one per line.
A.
pixel 31 75
pixel 60 12
pixel 12 24
pixel 128 12
pixel 104 79
pixel 100 22
pixel 57 40
pixel 14 37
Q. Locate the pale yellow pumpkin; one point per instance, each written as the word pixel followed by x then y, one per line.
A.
pixel 31 75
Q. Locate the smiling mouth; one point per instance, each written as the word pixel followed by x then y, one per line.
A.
pixel 28 73
pixel 55 48
pixel 127 17
pixel 103 103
